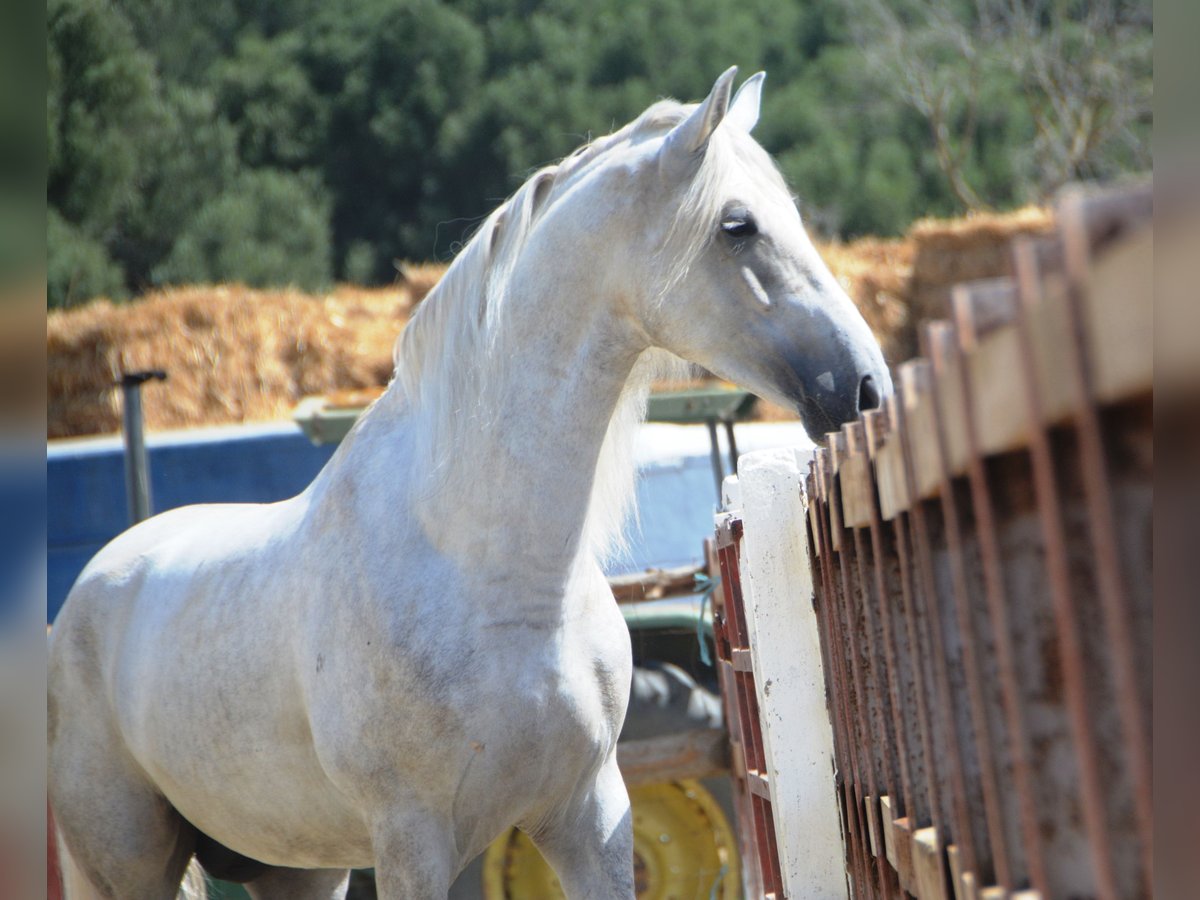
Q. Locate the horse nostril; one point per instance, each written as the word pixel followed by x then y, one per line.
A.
pixel 868 394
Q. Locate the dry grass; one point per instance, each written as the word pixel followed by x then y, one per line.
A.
pixel 239 355
pixel 232 354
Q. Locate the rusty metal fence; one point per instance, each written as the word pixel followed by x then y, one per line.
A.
pixel 761 874
pixel 981 553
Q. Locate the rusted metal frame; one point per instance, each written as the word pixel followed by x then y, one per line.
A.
pixel 938 337
pixel 886 743
pixel 885 739
pixel 751 724
pixel 878 705
pixel 996 597
pixel 1049 505
pixel 851 543
pixel 819 603
pixel 874 424
pixel 847 760
pixel 858 703
pixel 822 602
pixel 834 665
pixel 883 744
pixel 963 835
pixel 917 652
pixel 863 768
pixel 852 784
pixel 773 847
pixel 1110 580
pixel 835 691
pixel 770 855
pixel 923 606
pixel 743 805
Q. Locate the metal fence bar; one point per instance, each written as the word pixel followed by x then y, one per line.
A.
pixel 996 597
pixel 756 821
pixel 844 720
pixel 1059 577
pixel 1110 580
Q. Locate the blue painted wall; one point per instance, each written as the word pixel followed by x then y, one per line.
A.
pixel 85 485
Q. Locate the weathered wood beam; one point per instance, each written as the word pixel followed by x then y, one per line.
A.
pixel 654 584
pixel 687 754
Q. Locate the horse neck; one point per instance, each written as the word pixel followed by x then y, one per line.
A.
pixel 537 476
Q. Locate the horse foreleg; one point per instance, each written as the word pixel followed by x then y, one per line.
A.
pixel 413 859
pixel 590 843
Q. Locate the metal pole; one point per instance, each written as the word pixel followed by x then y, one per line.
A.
pixel 137 469
pixel 718 468
pixel 733 450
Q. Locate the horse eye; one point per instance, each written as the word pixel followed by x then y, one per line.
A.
pixel 739 226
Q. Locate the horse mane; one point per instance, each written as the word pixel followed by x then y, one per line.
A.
pixel 454 348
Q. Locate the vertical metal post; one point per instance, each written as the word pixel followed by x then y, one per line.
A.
pixel 137 470
pixel 715 452
pixel 733 450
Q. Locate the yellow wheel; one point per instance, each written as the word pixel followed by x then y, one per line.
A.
pixel 683 849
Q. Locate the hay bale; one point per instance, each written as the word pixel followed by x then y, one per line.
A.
pixel 232 354
pixel 876 274
pixel 949 252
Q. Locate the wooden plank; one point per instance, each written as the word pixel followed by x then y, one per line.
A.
pixel 927 864
pixel 889 833
pixel 654 584
pixel 741 660
pixel 737 758
pixel 980 307
pixel 759 784
pixel 902 839
pixel 835 519
pixel 963 883
pixel 688 754
pixel 1119 313
pixel 857 499
pixel 920 427
pixel 874 826
pixel 942 342
pixel 889 468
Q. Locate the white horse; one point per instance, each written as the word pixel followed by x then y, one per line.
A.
pixel 421 650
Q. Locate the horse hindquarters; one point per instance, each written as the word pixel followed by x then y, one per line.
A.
pixel 118 836
pixel 76 886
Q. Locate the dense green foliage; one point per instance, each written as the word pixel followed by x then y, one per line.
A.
pixel 300 142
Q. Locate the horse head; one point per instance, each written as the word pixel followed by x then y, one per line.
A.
pixel 739 287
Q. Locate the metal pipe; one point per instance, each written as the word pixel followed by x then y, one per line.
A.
pixel 137 469
pixel 715 453
pixel 733 450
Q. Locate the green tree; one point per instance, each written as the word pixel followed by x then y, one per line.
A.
pixel 78 268
pixel 269 228
pixel 182 136
pixel 102 102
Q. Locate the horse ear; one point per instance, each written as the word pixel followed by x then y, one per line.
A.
pixel 743 109
pixel 688 139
